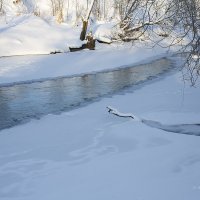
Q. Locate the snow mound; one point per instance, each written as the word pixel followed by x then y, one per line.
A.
pixel 103 32
pixel 29 34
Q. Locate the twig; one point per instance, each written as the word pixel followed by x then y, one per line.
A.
pixel 117 113
pixel 188 129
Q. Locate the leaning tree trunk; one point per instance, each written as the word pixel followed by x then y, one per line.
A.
pixel 85 22
pixel 84 30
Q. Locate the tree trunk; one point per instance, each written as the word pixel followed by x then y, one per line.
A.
pixel 84 30
pixel 85 22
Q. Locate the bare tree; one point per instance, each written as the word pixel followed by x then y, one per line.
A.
pixel 177 19
pixel 67 12
pixel 97 10
pixel 85 21
pixel 80 10
pixel 186 19
pixel 57 7
pixel 137 16
pixel 1 6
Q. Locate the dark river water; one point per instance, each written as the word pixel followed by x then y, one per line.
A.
pixel 21 102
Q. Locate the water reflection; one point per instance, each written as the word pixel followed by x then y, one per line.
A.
pixel 20 103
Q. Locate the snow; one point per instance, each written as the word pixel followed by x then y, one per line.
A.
pixel 87 153
pixel 26 68
pixel 84 154
pixel 103 32
pixel 195 57
pixel 22 33
pixel 114 111
pixel 29 34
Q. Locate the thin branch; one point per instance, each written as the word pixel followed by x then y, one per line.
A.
pixel 118 114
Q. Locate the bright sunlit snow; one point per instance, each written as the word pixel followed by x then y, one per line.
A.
pixel 140 143
pixel 89 154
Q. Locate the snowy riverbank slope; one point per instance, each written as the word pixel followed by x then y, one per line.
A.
pixel 28 34
pixel 27 68
pixel 25 33
pixel 89 154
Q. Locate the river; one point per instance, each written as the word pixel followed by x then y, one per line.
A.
pixel 19 103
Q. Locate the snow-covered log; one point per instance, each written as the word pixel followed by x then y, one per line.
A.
pixel 119 114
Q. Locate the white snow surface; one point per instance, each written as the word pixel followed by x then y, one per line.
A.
pixel 39 67
pixel 28 34
pixel 89 154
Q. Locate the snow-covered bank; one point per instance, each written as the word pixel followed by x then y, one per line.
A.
pixel 29 34
pixel 26 68
pixel 89 154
